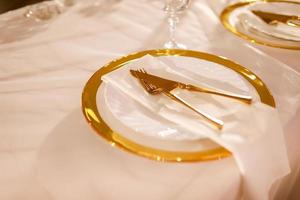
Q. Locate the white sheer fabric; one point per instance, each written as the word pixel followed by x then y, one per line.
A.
pixel 47 151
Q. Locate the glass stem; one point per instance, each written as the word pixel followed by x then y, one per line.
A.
pixel 172 20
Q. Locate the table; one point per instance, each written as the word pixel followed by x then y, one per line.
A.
pixel 45 142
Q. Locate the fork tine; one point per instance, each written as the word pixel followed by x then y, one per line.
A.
pixel 144 71
pixel 137 73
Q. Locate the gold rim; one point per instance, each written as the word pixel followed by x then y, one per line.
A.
pixel 91 113
pixel 224 17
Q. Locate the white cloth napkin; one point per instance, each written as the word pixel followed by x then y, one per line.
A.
pixel 252 133
pixel 231 81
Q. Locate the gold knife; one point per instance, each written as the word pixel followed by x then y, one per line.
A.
pixel 274 19
pixel 170 85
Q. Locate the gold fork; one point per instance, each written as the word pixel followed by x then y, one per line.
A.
pixel 155 90
pixel 171 84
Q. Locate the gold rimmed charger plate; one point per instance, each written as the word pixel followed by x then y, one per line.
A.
pixel 226 13
pixel 91 112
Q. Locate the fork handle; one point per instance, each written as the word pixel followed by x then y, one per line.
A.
pixel 216 122
pixel 243 98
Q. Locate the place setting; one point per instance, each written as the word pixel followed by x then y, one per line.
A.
pixel 142 105
pixel 267 22
pixel 179 105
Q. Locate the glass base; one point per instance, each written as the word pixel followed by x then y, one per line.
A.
pixel 44 11
pixel 174 45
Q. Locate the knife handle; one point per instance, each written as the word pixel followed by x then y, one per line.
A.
pixel 243 98
pixel 216 122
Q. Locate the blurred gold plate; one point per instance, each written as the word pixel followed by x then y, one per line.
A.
pixel 91 113
pixel 225 19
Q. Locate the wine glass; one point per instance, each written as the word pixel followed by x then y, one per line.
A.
pixel 48 9
pixel 173 8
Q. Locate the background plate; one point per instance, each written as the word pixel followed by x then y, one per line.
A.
pixel 260 32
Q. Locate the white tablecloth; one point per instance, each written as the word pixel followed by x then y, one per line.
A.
pixel 44 140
